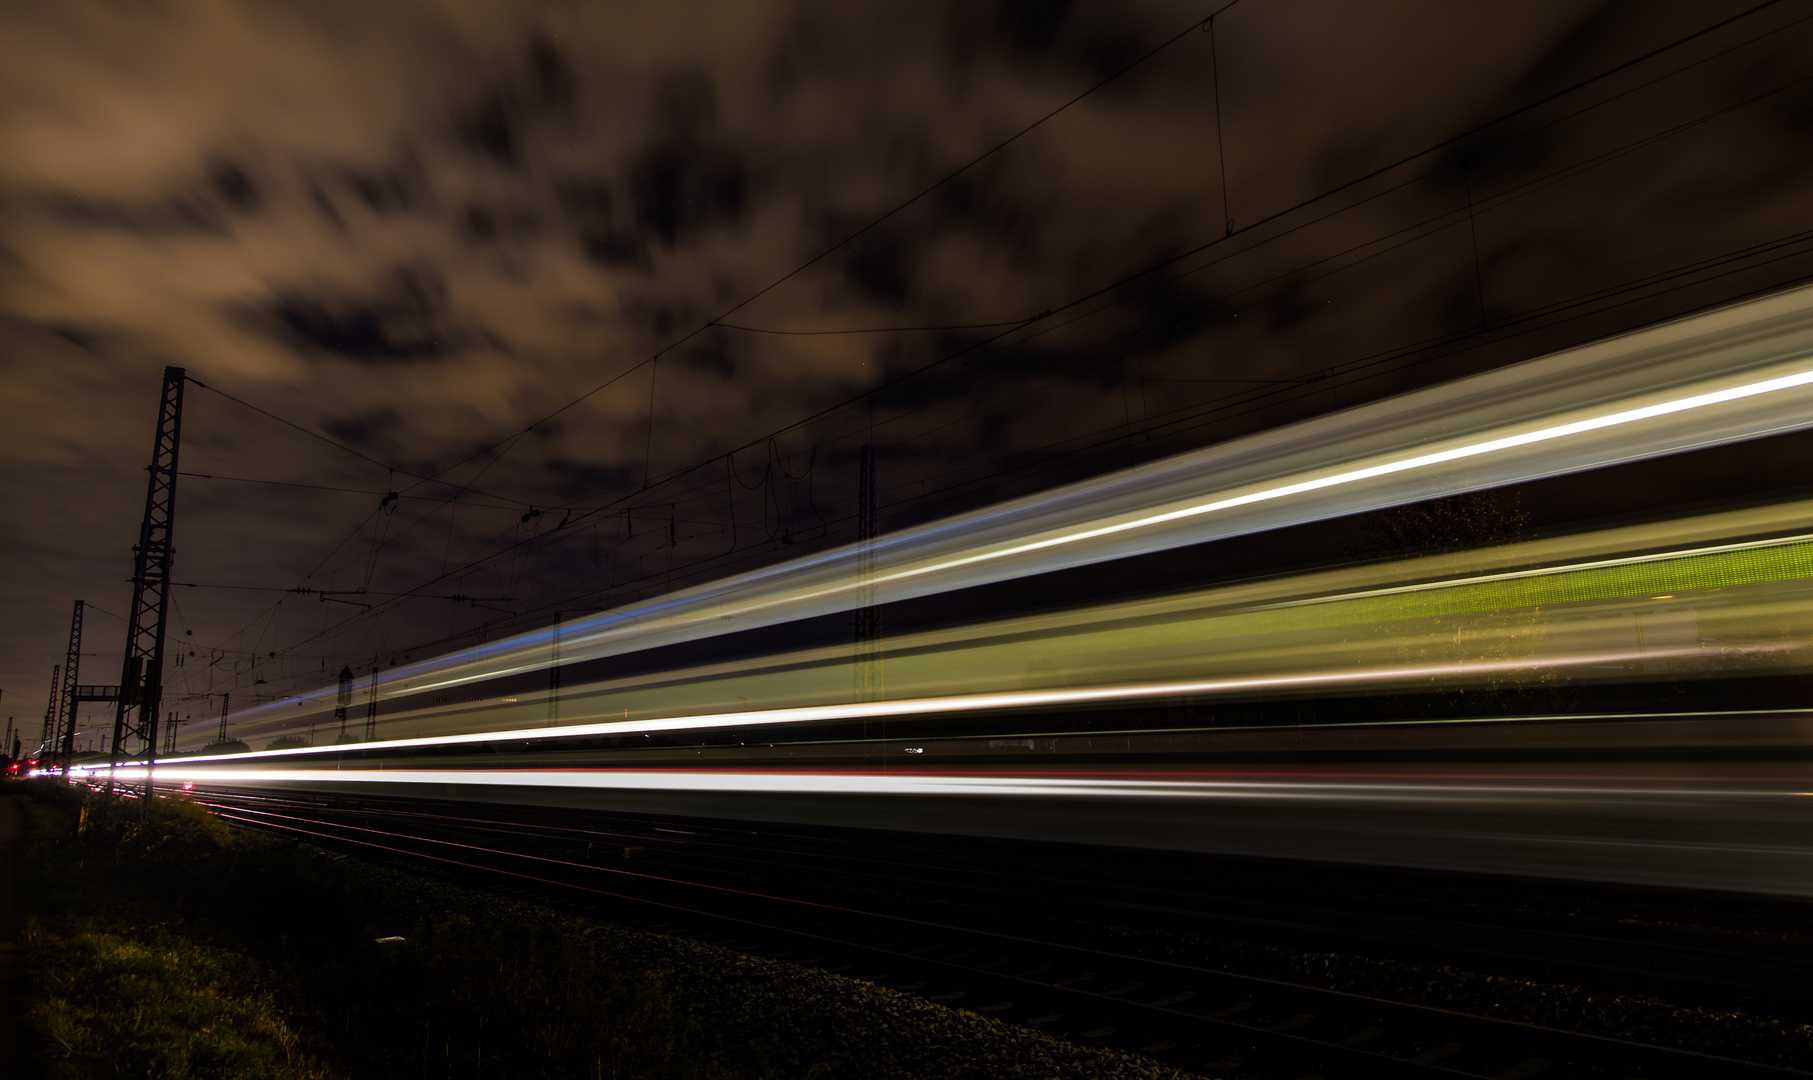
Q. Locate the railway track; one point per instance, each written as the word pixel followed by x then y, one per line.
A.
pixel 1705 949
pixel 1188 1015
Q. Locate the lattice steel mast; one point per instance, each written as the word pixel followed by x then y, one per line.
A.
pixel 343 699
pixel 135 720
pixel 52 712
pixel 371 709
pixel 65 747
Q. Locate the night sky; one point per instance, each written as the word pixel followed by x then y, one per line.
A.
pixel 451 238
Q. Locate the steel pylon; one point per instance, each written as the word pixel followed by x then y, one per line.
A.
pixel 135 719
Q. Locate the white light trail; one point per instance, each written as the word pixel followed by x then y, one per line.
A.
pixel 1421 461
pixel 930 706
pixel 1741 372
pixel 932 784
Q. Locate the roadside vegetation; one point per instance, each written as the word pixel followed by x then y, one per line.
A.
pixel 158 943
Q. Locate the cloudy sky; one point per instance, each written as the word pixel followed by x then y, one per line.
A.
pixel 539 258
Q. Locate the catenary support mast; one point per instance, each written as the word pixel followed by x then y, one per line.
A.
pixel 371 708
pixel 47 739
pixel 343 698
pixel 135 718
pixel 65 748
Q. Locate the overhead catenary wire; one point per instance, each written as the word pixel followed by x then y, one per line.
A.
pixel 335 443
pixel 1360 366
pixel 1373 361
pixel 809 263
pixel 1206 24
pixel 819 415
pixel 329 487
pixel 1267 219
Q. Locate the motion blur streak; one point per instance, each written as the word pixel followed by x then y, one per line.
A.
pixel 1490 618
pixel 1719 803
pixel 936 706
pixel 1741 372
pixel 1728 827
pixel 1637 689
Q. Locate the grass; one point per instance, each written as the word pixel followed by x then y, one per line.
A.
pixel 165 946
pixel 154 1004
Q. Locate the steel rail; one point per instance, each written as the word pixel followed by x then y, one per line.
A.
pixel 1562 1045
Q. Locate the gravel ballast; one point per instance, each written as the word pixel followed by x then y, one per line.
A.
pixel 801 1022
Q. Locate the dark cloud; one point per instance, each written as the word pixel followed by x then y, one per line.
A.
pixel 324 205
pixel 555 83
pixel 79 336
pixel 487 224
pixel 490 128
pixel 682 189
pixel 1030 25
pixel 389 189
pixel 589 205
pixel 586 199
pixel 234 186
pixel 368 430
pixel 611 249
pixel 717 356
pixel 174 216
pixel 405 320
pixel 880 265
pixel 481 224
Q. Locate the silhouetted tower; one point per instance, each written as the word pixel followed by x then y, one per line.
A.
pixel 344 699
pixel 868 616
pixel 65 747
pixel 142 673
pixel 52 712
pixel 371 708
pixel 223 718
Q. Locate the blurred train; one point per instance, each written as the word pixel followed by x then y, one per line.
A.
pixel 1627 702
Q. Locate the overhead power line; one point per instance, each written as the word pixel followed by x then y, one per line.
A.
pixel 1172 259
pixel 873 223
pixel 513 507
pixel 1047 117
pixel 340 446
pixel 1012 326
